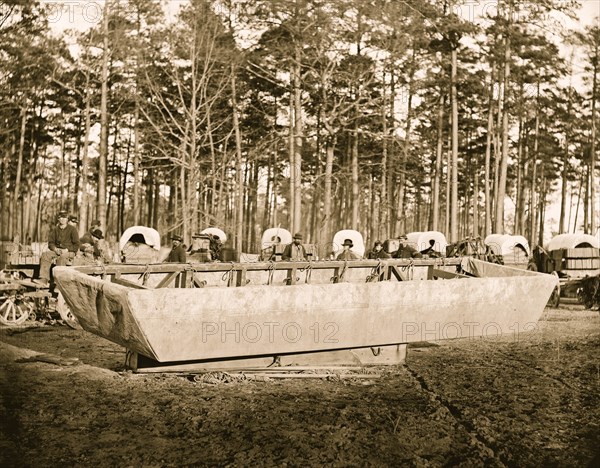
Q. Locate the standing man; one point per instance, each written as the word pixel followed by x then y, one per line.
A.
pixel 294 251
pixel 73 221
pixel 177 253
pixel 63 244
pixel 378 251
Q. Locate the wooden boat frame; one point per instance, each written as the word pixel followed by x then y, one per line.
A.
pixel 144 321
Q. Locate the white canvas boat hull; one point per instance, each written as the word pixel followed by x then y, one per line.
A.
pixel 186 324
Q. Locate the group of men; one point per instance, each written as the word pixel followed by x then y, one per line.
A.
pixel 66 248
pixel 297 252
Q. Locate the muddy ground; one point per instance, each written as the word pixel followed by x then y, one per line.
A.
pixel 531 399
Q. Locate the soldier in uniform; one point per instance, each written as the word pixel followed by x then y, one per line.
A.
pixel 63 244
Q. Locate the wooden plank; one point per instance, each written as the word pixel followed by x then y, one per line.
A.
pixel 398 274
pixel 443 274
pixel 129 284
pixel 291 277
pixel 254 266
pixel 241 278
pixel 167 280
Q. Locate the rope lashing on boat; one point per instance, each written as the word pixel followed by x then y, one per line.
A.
pixel 103 274
pixel 375 272
pixel 343 272
pixel 308 269
pixel 410 268
pixel 144 276
pixel 375 351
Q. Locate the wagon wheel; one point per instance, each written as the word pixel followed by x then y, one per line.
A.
pixel 14 310
pixel 65 313
pixel 554 300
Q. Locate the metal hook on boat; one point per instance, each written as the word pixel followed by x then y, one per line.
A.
pixel 308 270
pixel 410 268
pixel 228 275
pixel 271 271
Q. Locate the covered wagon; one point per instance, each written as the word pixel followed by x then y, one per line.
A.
pixel 513 250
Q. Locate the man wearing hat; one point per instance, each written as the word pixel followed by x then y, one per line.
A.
pixel 378 251
pixel 405 250
pixel 88 238
pixel 73 221
pixel 63 244
pixel 177 253
pixel 347 254
pixel 294 251
pixel 93 239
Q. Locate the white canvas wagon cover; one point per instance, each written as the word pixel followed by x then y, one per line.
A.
pixel 215 232
pixel 151 236
pixel 268 237
pixel 422 240
pixel 573 241
pixel 356 238
pixel 507 245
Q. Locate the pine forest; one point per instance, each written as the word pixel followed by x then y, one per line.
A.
pixel 383 116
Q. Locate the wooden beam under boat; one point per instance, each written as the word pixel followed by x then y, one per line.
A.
pixel 183 324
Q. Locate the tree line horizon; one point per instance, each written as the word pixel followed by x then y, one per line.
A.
pixel 381 116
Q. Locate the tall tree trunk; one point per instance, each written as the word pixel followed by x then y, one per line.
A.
pixel 17 194
pixel 454 167
pixel 239 221
pixel 401 190
pixel 562 228
pixel 383 226
pixel 327 229
pixel 355 191
pixel 499 221
pixel 542 207
pixel 103 153
pixel 532 201
pixel 136 166
pixel 298 139
pixel 592 183
pixel 83 213
pixel 391 160
pixel 487 164
pixel 437 177
pixel 519 185
pixel 292 158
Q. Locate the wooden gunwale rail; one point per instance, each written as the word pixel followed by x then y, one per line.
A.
pixel 183 275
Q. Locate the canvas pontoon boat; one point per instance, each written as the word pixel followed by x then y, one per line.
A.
pixel 175 313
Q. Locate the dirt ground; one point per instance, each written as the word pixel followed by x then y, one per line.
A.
pixel 531 399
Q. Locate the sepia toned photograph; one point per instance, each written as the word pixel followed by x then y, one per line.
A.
pixel 299 233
